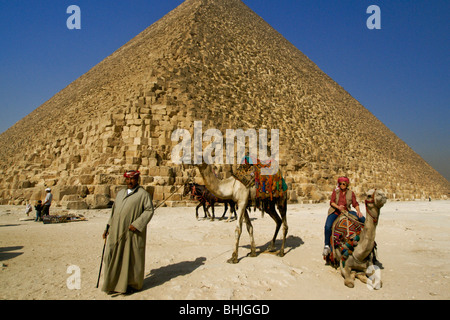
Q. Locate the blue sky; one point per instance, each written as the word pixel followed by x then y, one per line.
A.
pixel 400 73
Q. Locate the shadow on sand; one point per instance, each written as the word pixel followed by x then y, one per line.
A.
pixel 6 255
pixel 163 274
pixel 292 242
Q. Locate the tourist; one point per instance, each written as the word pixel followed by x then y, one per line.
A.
pixel 47 202
pixel 341 201
pixel 126 234
pixel 28 209
pixel 38 207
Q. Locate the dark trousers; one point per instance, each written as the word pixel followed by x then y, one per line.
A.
pixel 46 210
pixel 38 216
pixel 329 224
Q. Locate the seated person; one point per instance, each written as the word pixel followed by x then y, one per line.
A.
pixel 341 201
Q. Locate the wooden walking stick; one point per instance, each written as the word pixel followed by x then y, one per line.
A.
pixel 103 253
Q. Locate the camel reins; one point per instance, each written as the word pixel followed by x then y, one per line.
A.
pixel 199 195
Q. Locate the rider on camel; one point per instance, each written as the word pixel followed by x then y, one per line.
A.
pixel 341 201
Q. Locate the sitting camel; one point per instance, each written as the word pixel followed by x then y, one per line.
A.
pixel 356 254
pixel 201 194
pixel 232 188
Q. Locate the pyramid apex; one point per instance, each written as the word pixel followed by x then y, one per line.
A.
pixel 214 1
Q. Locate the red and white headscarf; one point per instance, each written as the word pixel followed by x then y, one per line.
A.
pixel 342 179
pixel 131 174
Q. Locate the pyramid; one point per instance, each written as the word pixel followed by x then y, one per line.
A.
pixel 217 62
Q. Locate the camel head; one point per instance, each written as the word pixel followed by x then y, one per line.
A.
pixel 187 188
pixel 375 198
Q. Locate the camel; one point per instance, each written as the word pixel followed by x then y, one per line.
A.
pixel 232 188
pixel 226 202
pixel 362 257
pixel 204 196
pixel 196 193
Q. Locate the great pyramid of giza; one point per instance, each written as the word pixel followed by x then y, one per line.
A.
pixel 218 62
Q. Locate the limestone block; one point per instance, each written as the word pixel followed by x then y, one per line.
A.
pixel 102 189
pixel 166 171
pixel 102 178
pixel 98 201
pixel 38 194
pixel 86 179
pixel 76 205
pixel 70 197
pixel 25 184
pixel 114 190
pixel 59 192
pixel 158 196
pixel 149 189
pixel 292 195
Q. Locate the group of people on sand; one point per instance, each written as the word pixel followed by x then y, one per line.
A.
pixel 42 209
pixel 126 232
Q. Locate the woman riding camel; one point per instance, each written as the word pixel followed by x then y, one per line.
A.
pixel 341 201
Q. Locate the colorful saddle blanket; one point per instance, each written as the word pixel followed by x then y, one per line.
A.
pixel 245 173
pixel 267 186
pixel 345 236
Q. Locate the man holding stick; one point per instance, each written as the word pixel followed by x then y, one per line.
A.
pixel 127 233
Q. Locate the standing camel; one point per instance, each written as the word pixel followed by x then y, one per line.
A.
pixel 197 192
pixel 361 257
pixel 232 188
pixel 204 196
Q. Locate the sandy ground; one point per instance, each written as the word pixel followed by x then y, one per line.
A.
pixel 186 258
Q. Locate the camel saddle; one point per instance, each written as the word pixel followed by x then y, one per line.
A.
pixel 345 236
pixel 267 186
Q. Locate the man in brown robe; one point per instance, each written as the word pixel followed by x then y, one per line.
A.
pixel 127 233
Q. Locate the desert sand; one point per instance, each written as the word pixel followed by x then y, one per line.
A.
pixel 186 258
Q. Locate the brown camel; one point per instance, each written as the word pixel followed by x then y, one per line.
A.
pixel 231 188
pixel 362 257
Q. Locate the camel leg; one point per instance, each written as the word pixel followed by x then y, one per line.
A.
pixel 238 231
pixel 226 208
pixel 250 232
pixel 213 216
pixel 282 209
pixel 232 210
pixel 273 214
pixel 362 276
pixel 346 272
pixel 207 211
pixel 196 209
